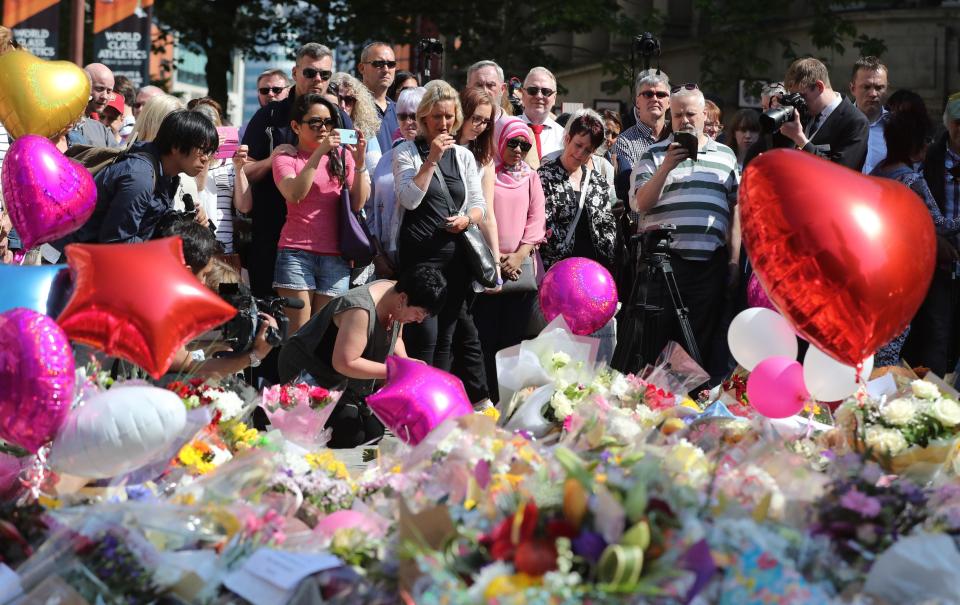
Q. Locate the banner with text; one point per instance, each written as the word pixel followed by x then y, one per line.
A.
pixel 121 37
pixel 35 25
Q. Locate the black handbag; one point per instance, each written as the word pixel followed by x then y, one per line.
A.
pixel 482 263
pixel 527 281
pixel 356 242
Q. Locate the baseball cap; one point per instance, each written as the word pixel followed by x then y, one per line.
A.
pixel 117 103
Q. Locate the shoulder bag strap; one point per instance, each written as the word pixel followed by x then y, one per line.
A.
pixel 576 219
pixel 446 192
pixel 394 335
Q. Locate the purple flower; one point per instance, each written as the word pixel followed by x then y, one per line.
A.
pixel 589 545
pixel 859 502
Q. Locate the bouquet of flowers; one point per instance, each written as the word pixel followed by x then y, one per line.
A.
pixel 300 412
pixel 914 432
pixel 225 405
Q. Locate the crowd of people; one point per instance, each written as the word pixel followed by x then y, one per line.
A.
pixel 422 163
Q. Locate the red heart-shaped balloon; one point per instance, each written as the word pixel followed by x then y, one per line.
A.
pixel 47 194
pixel 846 258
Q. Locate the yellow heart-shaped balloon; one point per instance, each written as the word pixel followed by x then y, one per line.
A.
pixel 38 96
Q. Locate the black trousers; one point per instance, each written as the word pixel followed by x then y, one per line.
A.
pixel 932 341
pixel 502 321
pixel 432 341
pixel 702 286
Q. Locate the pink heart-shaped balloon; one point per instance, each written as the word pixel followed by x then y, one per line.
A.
pixel 36 378
pixel 47 194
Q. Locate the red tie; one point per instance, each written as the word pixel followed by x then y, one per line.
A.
pixel 537 129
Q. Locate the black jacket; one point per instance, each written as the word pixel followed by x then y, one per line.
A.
pixel 933 170
pixel 843 137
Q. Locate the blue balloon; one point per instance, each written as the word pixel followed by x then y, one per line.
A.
pixel 44 288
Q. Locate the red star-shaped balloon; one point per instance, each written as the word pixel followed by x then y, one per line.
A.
pixel 138 301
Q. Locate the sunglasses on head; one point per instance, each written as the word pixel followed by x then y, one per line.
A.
pixel 523 144
pixel 268 89
pixel 311 73
pixel 649 94
pixel 318 123
pixel 403 117
pixel 687 86
pixel 380 64
pixel 533 90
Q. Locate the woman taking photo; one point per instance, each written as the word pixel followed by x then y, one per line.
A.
pixel 438 189
pixel 309 266
pixel 346 345
pixel 502 317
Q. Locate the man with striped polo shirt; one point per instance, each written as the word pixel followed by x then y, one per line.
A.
pixel 699 197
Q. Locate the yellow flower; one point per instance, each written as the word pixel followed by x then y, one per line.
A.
pixel 491 412
pixel 397 469
pixel 326 461
pixel 469 503
pixel 689 403
pixel 510 586
pixel 192 456
pixel 601 478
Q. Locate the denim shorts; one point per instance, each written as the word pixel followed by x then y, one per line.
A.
pixel 302 270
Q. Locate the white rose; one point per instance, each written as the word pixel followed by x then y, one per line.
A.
pixel 899 411
pixel 619 387
pixel 947 411
pixel 885 441
pixel 560 359
pixel 562 406
pixel 924 389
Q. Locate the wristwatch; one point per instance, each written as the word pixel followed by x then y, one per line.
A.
pixel 254 360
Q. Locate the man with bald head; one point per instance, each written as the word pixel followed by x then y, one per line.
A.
pixel 89 131
pixel 143 95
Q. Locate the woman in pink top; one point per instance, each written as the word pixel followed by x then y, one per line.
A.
pixel 309 266
pixel 502 317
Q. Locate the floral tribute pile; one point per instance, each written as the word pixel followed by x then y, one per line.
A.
pixel 583 486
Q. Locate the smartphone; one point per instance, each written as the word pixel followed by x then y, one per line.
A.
pixel 689 141
pixel 347 137
pixel 229 142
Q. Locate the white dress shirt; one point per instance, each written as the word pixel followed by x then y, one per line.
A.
pixel 551 139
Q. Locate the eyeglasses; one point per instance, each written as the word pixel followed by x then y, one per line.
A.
pixel 205 152
pixel 347 99
pixel 268 89
pixel 379 64
pixel 479 122
pixel 533 90
pixel 318 123
pixel 403 117
pixel 679 87
pixel 523 144
pixel 649 94
pixel 311 73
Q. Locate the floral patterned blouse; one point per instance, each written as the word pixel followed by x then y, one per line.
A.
pixel 562 202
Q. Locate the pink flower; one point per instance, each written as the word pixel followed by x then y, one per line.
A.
pixel 858 502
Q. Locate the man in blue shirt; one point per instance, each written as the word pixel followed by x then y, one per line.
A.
pixel 377 69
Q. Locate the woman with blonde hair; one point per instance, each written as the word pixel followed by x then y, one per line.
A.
pixel 440 196
pixel 151 116
pixel 354 98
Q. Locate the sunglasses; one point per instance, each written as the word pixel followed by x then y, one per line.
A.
pixel 523 144
pixel 268 89
pixel 380 64
pixel 649 94
pixel 533 90
pixel 403 117
pixel 318 123
pixel 687 86
pixel 311 73
pixel 347 99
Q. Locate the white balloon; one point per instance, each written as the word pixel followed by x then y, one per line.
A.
pixel 758 333
pixel 829 380
pixel 117 431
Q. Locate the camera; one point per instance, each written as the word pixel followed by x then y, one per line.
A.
pixel 656 240
pixel 772 119
pixel 241 331
pixel 647 45
pixel 431 46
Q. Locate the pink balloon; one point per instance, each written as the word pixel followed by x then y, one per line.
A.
pixel 775 387
pixel 36 378
pixel 756 295
pixel 581 290
pixel 348 519
pixel 47 194
pixel 417 398
pixel 9 476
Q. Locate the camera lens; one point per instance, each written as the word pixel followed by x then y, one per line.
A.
pixel 772 119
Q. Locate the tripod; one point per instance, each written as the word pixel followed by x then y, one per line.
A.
pixel 639 340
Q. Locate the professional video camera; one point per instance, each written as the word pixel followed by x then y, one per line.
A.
pixel 647 45
pixel 655 240
pixel 431 46
pixel 772 119
pixel 241 331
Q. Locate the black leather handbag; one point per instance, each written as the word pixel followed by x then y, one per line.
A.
pixel 483 265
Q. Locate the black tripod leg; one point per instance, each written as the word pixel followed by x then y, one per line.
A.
pixel 683 314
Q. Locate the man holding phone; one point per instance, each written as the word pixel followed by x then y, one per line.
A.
pixel 267 135
pixel 694 188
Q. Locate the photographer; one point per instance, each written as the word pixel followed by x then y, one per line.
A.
pixel 836 130
pixel 199 247
pixel 695 188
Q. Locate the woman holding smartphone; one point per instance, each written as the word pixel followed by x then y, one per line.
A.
pixel 440 196
pixel 309 266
